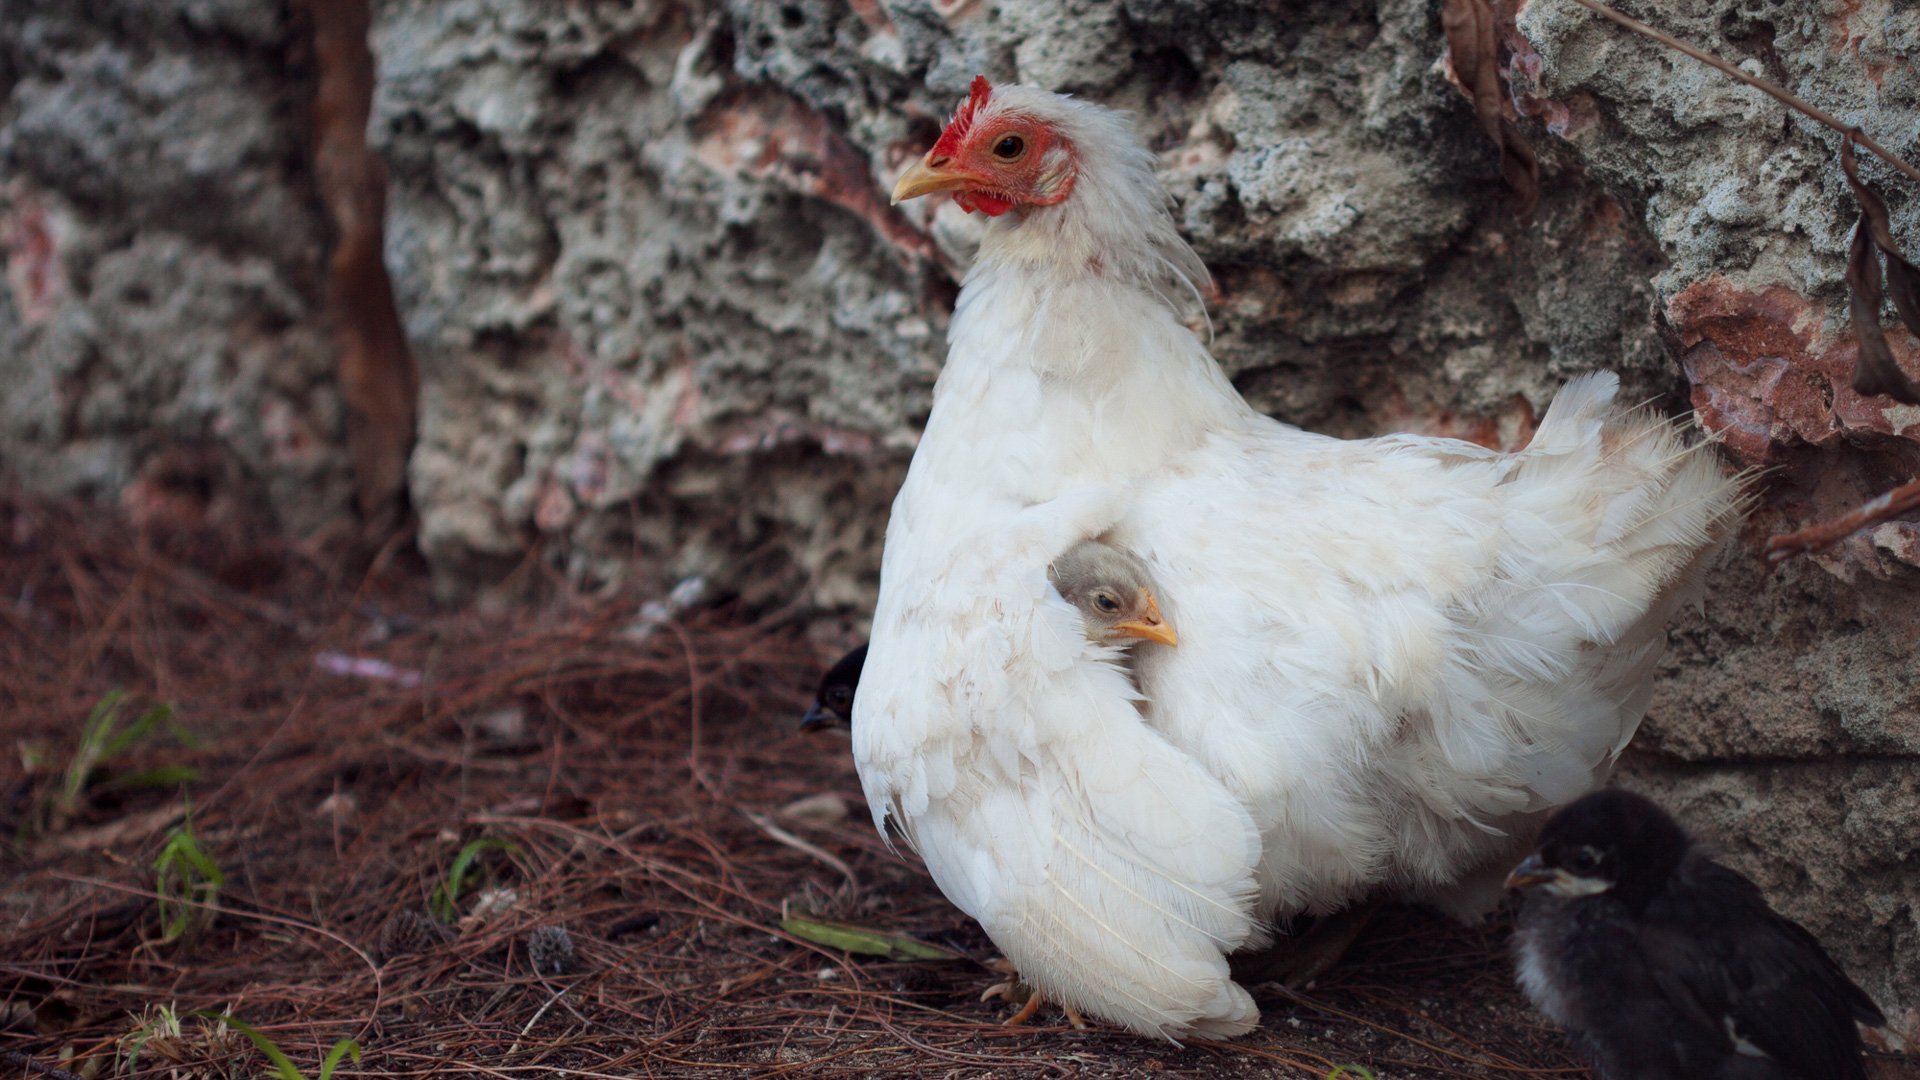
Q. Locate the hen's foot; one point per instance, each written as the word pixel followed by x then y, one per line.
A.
pixel 1011 990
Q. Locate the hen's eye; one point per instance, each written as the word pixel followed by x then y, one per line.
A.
pixel 1106 603
pixel 1009 147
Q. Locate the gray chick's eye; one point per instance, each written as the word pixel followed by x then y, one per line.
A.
pixel 1585 860
pixel 1105 603
pixel 839 695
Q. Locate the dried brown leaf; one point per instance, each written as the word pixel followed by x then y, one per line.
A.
pixel 1468 25
pixel 1903 281
pixel 1473 40
pixel 1863 306
pixel 1903 288
pixel 1875 371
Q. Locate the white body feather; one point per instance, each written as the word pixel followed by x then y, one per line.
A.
pixel 1393 652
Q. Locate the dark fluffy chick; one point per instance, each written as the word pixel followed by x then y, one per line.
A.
pixel 833 702
pixel 1661 963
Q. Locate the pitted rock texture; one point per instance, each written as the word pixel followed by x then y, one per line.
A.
pixel 668 325
pixel 1788 722
pixel 161 340
pixel 626 237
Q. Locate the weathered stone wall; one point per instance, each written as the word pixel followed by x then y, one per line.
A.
pixel 161 342
pixel 1788 727
pixel 667 324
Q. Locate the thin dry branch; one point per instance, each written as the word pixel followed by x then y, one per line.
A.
pixel 1474 43
pixel 13 1058
pixel 1825 534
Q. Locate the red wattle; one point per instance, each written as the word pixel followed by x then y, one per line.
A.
pixel 990 205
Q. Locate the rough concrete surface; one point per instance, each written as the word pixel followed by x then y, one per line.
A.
pixel 667 324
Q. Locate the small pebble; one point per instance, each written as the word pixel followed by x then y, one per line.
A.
pixel 826 808
pixel 490 902
pixel 506 724
pixel 340 804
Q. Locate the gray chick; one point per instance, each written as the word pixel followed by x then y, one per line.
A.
pixel 1110 586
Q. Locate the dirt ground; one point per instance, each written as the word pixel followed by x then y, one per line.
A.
pixel 337 741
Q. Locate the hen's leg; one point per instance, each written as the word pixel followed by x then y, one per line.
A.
pixel 1297 960
pixel 1011 989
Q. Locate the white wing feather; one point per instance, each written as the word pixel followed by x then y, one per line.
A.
pixel 1395 650
pixel 1111 869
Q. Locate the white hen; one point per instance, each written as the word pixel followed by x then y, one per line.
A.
pixel 1393 651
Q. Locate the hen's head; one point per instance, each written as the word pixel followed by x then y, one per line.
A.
pixel 999 152
pixel 1080 184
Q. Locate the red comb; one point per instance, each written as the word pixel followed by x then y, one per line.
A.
pixel 962 121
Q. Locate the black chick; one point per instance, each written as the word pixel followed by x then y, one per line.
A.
pixel 833 705
pixel 1662 963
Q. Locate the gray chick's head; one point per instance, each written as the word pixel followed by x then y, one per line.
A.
pixel 1111 587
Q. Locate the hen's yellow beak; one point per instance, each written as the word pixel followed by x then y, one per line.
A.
pixel 927 177
pixel 1149 626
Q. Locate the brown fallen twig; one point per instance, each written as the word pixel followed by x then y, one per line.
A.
pixel 805 847
pixel 1825 534
pixel 29 1064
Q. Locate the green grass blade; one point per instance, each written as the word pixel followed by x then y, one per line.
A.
pixel 133 733
pixel 187 881
pixel 281 1063
pixel 131 1061
pixel 864 940
pixel 94 735
pixel 164 776
pixel 340 1050
pixel 446 896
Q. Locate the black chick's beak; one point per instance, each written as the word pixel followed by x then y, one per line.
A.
pixel 817 717
pixel 1532 871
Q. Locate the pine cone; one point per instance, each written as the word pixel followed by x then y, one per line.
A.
pixel 409 931
pixel 550 950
